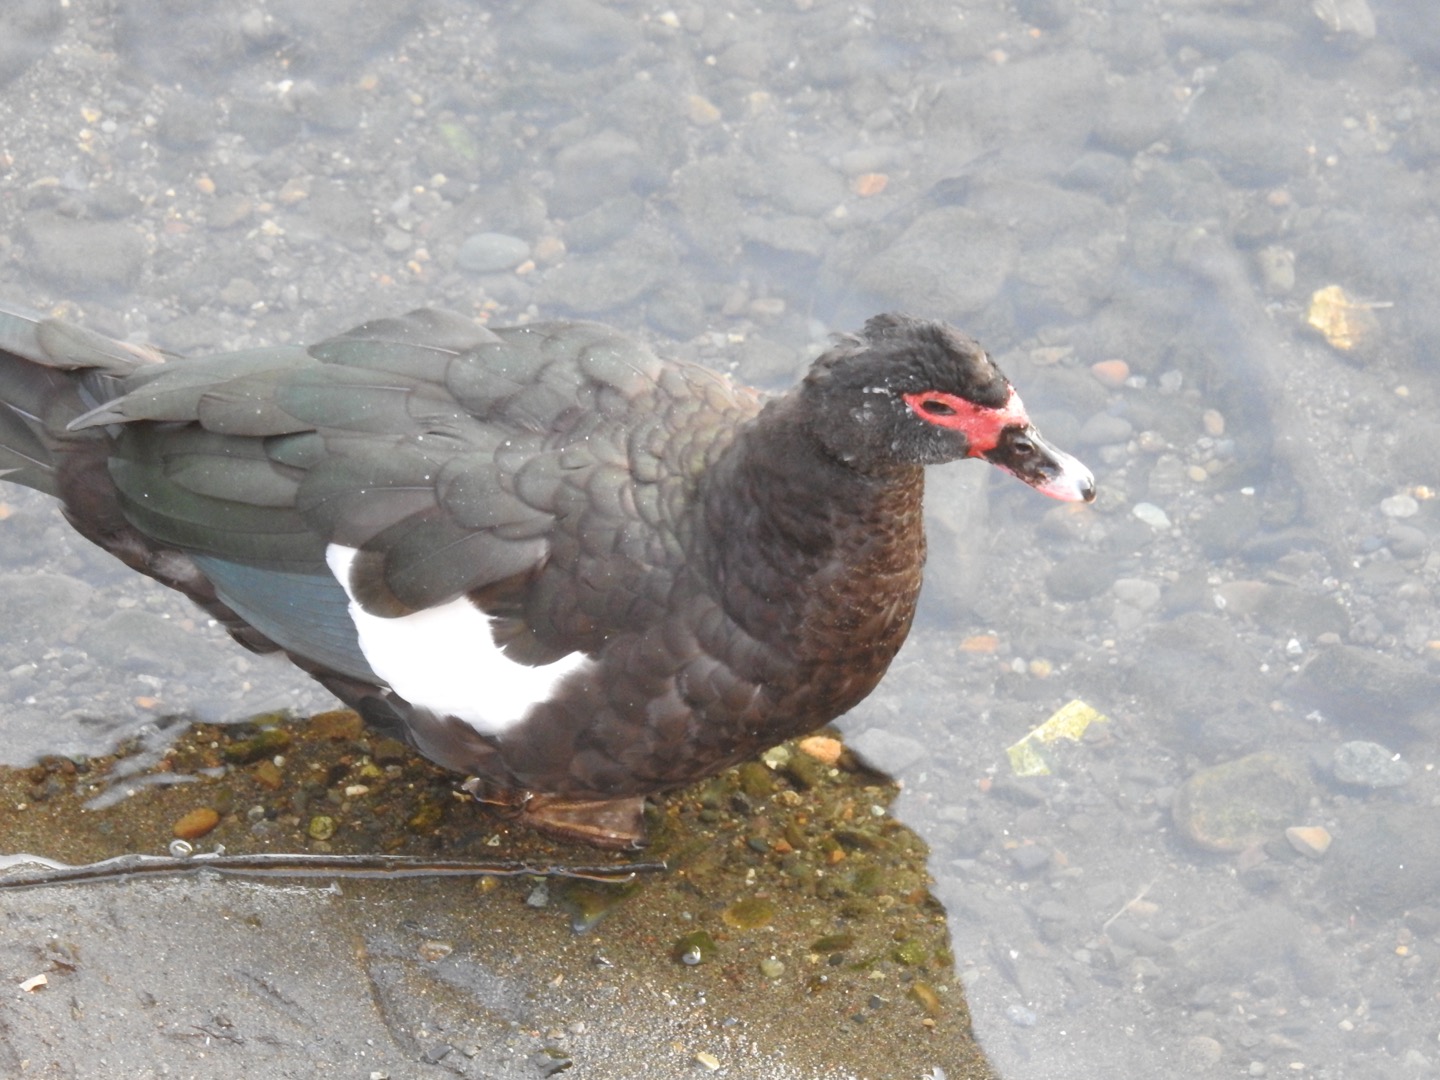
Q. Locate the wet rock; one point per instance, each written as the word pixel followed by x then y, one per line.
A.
pixel 888 751
pixel 802 184
pixel 132 639
pixel 794 236
pixel 84 256
pixel 1069 247
pixel 1081 576
pixel 1046 14
pixel 339 212
pixel 1236 804
pixel 750 913
pixel 36 609
pixel 1139 111
pixel 1369 765
pixel 1057 94
pixel 1368 690
pixel 186 122
pixel 630 270
pixel 1248 123
pixel 919 270
pixel 1227 525
pixel 603 225
pixel 677 311
pixel 489 253
pixel 571 34
pixel 265 125
pixel 1284 609
pixel 26 27
pixel 604 166
pixel 1383 862
pixel 1406 541
pixel 332 109
pixel 1103 429
pixel 1137 593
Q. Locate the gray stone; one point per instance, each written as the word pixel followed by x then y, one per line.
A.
pixel 1370 765
pixel 1080 576
pixel 920 271
pixel 887 750
pixel 604 166
pixel 571 34
pixel 622 274
pixel 488 253
pixel 1248 123
pixel 1371 690
pixel 84 256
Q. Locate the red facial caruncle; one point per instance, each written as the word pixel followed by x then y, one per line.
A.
pixel 980 424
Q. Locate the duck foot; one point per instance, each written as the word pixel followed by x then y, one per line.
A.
pixel 614 824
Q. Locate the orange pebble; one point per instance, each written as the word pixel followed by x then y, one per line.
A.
pixel 1111 373
pixel 980 643
pixel 870 183
pixel 821 748
pixel 196 823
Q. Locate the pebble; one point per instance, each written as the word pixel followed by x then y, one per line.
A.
pixel 1399 506
pixel 489 253
pixel 702 111
pixel 1029 859
pixel 1277 270
pixel 196 823
pixel 1137 592
pixel 1151 515
pixel 867 184
pixel 772 968
pixel 1111 373
pixel 821 747
pixel 1406 541
pixel 1369 765
pixel 1311 840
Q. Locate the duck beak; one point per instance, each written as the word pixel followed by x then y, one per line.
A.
pixel 1026 456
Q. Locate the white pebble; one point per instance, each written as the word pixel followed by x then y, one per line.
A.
pixel 1399 506
pixel 1151 515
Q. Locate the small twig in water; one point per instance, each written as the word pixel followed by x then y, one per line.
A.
pixel 301 865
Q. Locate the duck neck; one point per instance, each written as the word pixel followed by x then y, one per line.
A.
pixel 811 557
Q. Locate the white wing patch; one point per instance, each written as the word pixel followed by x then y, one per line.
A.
pixel 445 659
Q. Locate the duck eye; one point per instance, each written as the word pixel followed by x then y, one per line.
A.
pixel 1020 446
pixel 936 407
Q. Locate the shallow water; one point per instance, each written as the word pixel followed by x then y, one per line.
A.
pixel 1163 184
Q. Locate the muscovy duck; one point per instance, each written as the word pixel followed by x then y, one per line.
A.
pixel 554 561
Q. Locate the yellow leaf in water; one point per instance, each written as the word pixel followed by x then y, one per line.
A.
pixel 1344 322
pixel 1067 722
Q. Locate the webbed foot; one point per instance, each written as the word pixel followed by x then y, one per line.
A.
pixel 615 824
